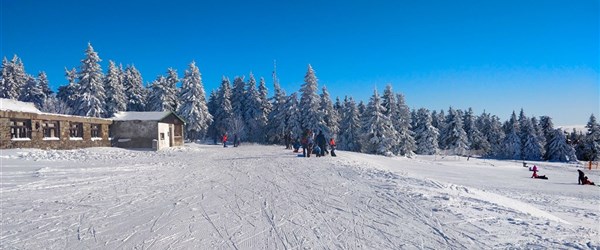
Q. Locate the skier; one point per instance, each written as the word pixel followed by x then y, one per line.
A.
pixel 581 176
pixel 332 146
pixel 322 143
pixel 225 140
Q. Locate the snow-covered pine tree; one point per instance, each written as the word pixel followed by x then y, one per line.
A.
pixel 547 129
pixel 438 120
pixel 531 148
pixel 13 78
pixel 135 92
pixel 591 141
pixel 223 113
pixel 193 104
pixel 157 97
pixel 310 116
pixel 44 84
pixel 90 90
pixel 115 95
pixel 454 136
pixel 293 123
pixel 350 127
pixel 406 141
pixel 558 148
pixel 512 142
pixel 476 139
pixel 212 110
pixel 68 93
pixel 378 133
pixel 277 125
pixel 238 102
pixel 55 106
pixel 361 107
pixel 540 134
pixel 495 137
pixel 32 92
pixel 426 135
pixel 265 107
pixel 171 90
pixel 254 118
pixel 331 117
pixel 338 106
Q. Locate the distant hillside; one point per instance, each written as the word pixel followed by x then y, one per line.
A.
pixel 569 128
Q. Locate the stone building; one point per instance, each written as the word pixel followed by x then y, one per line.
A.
pixel 22 125
pixel 147 130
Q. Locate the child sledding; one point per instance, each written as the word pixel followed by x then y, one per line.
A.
pixel 535 175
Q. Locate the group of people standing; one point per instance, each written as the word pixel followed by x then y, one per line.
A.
pixel 236 140
pixel 314 145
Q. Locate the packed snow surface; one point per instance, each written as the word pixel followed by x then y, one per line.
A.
pixel 265 197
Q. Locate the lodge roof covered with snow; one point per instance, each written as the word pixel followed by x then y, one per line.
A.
pixel 141 116
pixel 18 106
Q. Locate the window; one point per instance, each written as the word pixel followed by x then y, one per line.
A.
pixel 96 130
pixel 20 128
pixel 76 130
pixel 50 129
pixel 162 136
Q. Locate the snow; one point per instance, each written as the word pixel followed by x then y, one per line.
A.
pixel 18 106
pixel 140 116
pixel 265 197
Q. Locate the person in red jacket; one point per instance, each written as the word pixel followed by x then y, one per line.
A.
pixel 225 140
pixel 332 145
pixel 586 181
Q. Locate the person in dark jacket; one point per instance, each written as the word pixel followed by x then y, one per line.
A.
pixel 581 175
pixel 321 142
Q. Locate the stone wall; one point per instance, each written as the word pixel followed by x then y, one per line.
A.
pixel 63 141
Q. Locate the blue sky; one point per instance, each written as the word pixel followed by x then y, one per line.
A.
pixel 498 56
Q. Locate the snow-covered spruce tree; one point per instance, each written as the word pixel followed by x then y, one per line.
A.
pixel 158 99
pixel 13 78
pixel 135 92
pixel 338 106
pixel 476 139
pixel 90 90
pixel 55 106
pixel 277 125
pixel 482 123
pixel 453 136
pixel 171 90
pixel 512 142
pixel 591 141
pixel 310 115
pixel 540 134
pixel 44 84
pixel 238 100
pixel 406 141
pixel 193 104
pixel 426 135
pixel 32 92
pixel 115 94
pixel 378 133
pixel 212 110
pixel 293 123
pixel 223 113
pixel 68 93
pixel 331 117
pixel 547 129
pixel 350 127
pixel 531 148
pixel 558 148
pixel 361 108
pixel 438 120
pixel 265 108
pixel 254 118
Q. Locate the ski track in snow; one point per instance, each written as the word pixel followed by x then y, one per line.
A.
pixel 264 197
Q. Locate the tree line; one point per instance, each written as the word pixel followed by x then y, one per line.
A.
pixel 384 125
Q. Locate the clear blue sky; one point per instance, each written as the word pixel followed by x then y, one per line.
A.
pixel 497 56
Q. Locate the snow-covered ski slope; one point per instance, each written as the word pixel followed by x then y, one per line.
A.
pixel 265 197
